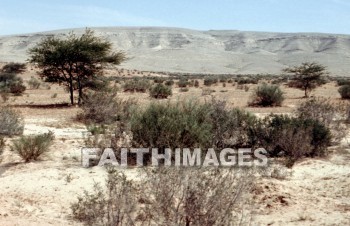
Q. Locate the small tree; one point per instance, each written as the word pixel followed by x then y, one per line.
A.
pixel 73 60
pixel 307 76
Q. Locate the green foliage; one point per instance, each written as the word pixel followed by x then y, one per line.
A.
pixel 10 122
pixel 307 76
pixel 30 148
pixel 160 91
pixel 11 83
pixel 136 85
pixel 267 95
pixel 73 60
pixel 344 91
pixel 171 126
pixel 14 68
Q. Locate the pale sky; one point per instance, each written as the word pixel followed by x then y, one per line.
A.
pixel 326 16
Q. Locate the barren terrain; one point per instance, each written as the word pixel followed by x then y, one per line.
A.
pixel 212 52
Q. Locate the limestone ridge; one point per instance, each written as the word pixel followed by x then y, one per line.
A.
pixel 192 51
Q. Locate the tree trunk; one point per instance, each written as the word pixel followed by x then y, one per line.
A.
pixel 80 88
pixel 71 91
pixel 306 93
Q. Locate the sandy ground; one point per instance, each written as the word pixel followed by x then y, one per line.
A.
pixel 313 192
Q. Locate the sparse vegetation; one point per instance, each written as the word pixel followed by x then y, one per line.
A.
pixel 291 137
pixel 104 108
pixel 14 68
pixel 174 196
pixel 267 96
pixel 344 91
pixel 34 83
pixel 11 83
pixel 10 122
pixel 160 91
pixel 210 81
pixel 136 85
pixel 30 148
pixel 307 76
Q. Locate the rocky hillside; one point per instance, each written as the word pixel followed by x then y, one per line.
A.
pixel 183 50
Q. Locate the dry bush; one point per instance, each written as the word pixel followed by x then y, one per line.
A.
pixel 11 83
pixel 32 147
pixel 34 83
pixel 169 196
pixel 10 122
pixel 331 114
pixel 104 108
pixel 160 91
pixel 112 205
pixel 193 196
pixel 136 85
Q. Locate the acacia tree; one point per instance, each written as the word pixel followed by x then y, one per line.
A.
pixel 74 60
pixel 307 76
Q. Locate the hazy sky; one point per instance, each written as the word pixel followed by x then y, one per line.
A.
pixel 329 16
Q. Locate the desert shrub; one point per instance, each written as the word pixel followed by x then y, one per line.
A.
pixel 210 81
pixel 30 148
pixel 15 68
pixel 245 81
pixel 191 124
pixel 342 82
pixel 169 82
pixel 160 91
pixel 230 127
pixel 104 108
pixel 114 205
pixel 291 137
pixel 171 125
pixel 184 89
pixel 10 122
pixel 330 114
pixel 207 91
pixel 136 85
pixel 175 196
pixel 34 83
pixel 196 83
pixel 159 80
pixel 11 83
pixel 267 95
pixel 318 109
pixel 344 91
pixel 182 83
pixel 208 197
